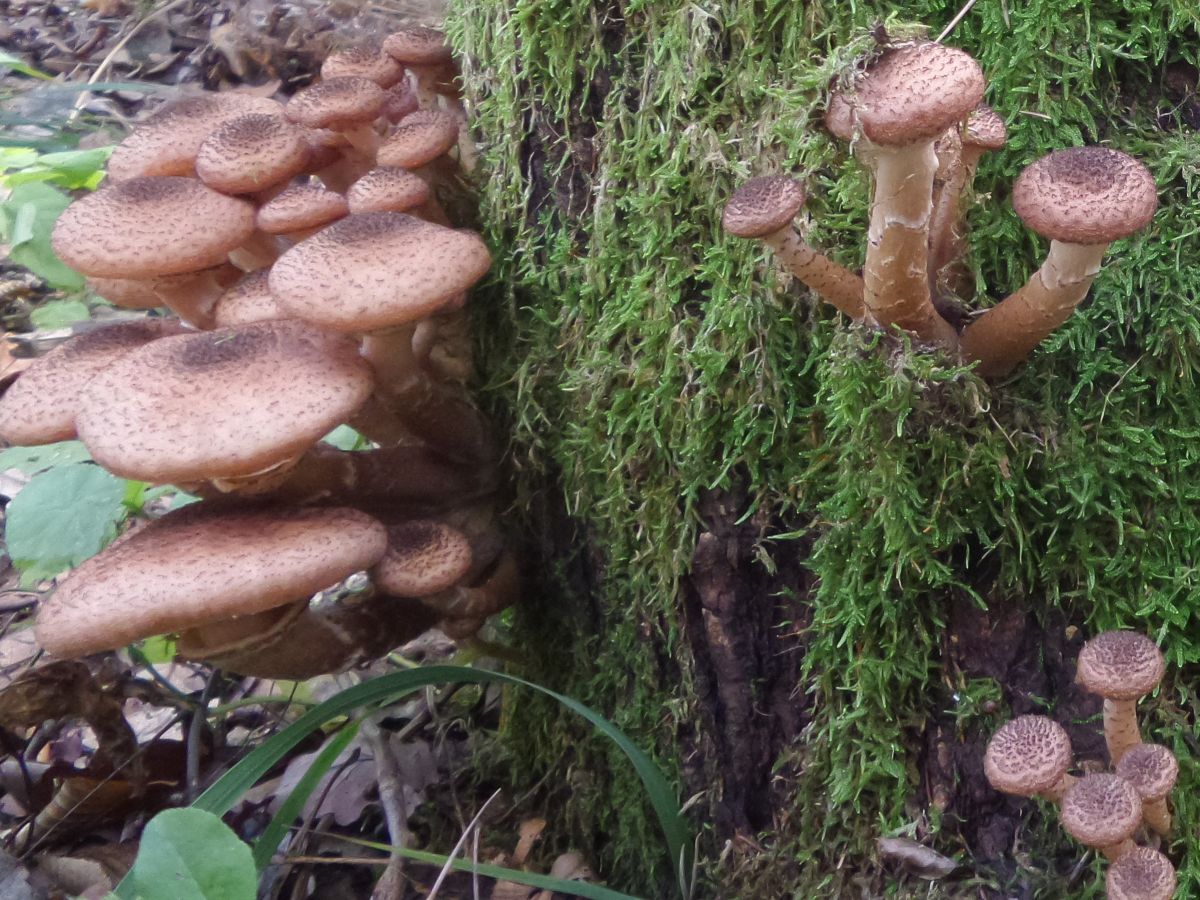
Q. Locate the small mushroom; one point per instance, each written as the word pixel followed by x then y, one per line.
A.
pixel 424 52
pixel 250 300
pixel 1102 811
pixel 1029 757
pixel 763 208
pixel 301 211
pixel 348 104
pixel 252 153
pixel 1141 874
pixel 368 62
pixel 387 189
pixel 1083 199
pixel 424 557
pixel 1120 666
pixel 1152 769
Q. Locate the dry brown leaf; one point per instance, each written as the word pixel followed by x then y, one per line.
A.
pixel 916 858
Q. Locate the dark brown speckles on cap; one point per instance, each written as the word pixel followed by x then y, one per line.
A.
pixel 1101 810
pixel 423 557
pixel 417 45
pixel 168 141
pixel 1027 756
pixel 418 139
pixel 916 92
pixel 151 226
pixel 221 404
pixel 197 564
pixel 302 206
pixel 363 62
pixel 1141 874
pixel 377 270
pixel 763 205
pixel 40 406
pixel 337 103
pixel 985 129
pixel 1151 768
pixel 251 153
pixel 1085 195
pixel 247 301
pixel 386 188
pixel 1120 665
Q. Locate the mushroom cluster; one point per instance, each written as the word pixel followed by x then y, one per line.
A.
pixel 315 280
pixel 1030 757
pixel 914 116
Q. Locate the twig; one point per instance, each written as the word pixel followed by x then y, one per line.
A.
pixel 196 726
pixel 391 797
pixel 954 22
pixel 474 823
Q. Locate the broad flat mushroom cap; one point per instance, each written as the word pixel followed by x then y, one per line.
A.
pixel 221 404
pixel 301 206
pixel 417 45
pixel 424 556
pixel 377 270
pixel 1120 665
pixel 251 153
pixel 763 205
pixel 1151 768
pixel 41 405
pixel 1141 874
pixel 1027 756
pixel 419 138
pixel 364 62
pixel 1101 810
pixel 336 103
pixel 387 188
pixel 249 300
pixel 198 564
pixel 1085 195
pixel 916 92
pixel 142 227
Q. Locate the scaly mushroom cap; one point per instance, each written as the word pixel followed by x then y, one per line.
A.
pixel 419 138
pixel 385 189
pixel 300 207
pixel 401 101
pixel 251 153
pixel 1027 756
pixel 423 557
pixel 916 92
pixel 377 270
pixel 370 63
pixel 985 129
pixel 247 301
pixel 221 404
pixel 1085 195
pixel 1120 665
pixel 1101 810
pixel 196 565
pixel 840 117
pixel 168 141
pixel 41 405
pixel 151 226
pixel 417 45
pixel 336 103
pixel 762 206
pixel 1151 768
pixel 1141 874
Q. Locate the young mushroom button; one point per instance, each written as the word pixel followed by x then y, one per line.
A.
pixel 1120 666
pixel 1152 769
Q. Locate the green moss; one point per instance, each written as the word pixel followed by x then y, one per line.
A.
pixel 639 357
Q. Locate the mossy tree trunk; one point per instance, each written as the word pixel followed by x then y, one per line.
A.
pixel 809 567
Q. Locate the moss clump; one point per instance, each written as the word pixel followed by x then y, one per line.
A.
pixel 641 358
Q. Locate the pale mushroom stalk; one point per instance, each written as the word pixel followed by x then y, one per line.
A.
pixel 259 251
pixel 1120 666
pixel 947 245
pixel 835 284
pixel 1121 731
pixel 1157 816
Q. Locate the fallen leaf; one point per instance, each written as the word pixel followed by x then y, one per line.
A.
pixel 916 858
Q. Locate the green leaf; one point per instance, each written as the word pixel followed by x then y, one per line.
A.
pixel 67 168
pixel 345 438
pixel 62 517
pixel 16 64
pixel 59 314
pixel 190 854
pixel 28 217
pixel 32 460
pixel 158 650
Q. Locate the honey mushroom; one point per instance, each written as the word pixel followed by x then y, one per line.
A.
pixel 1102 811
pixel 1152 769
pixel 1029 757
pixel 1141 874
pixel 1120 666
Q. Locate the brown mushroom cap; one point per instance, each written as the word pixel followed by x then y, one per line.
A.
pixel 168 141
pixel 151 226
pixel 1085 195
pixel 249 300
pixel 1101 810
pixel 1120 665
pixel 840 117
pixel 301 206
pixel 386 188
pixel 336 103
pixel 377 270
pixel 401 101
pixel 417 45
pixel 916 92
pixel 199 564
pixel 251 153
pixel 1027 756
pixel 424 556
pixel 985 129
pixel 221 404
pixel 763 205
pixel 363 62
pixel 1141 874
pixel 1151 768
pixel 41 405
pixel 418 139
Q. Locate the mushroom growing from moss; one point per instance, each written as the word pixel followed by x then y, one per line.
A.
pixel 1152 769
pixel 1141 874
pixel 1122 667
pixel 1029 757
pixel 1102 811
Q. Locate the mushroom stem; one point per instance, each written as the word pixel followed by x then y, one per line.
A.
pixel 364 138
pixel 1006 334
pixel 1115 851
pixel 896 274
pixel 1120 727
pixel 947 244
pixel 1055 794
pixel 193 297
pixel 1157 816
pixel 390 353
pixel 835 284
pixel 259 251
